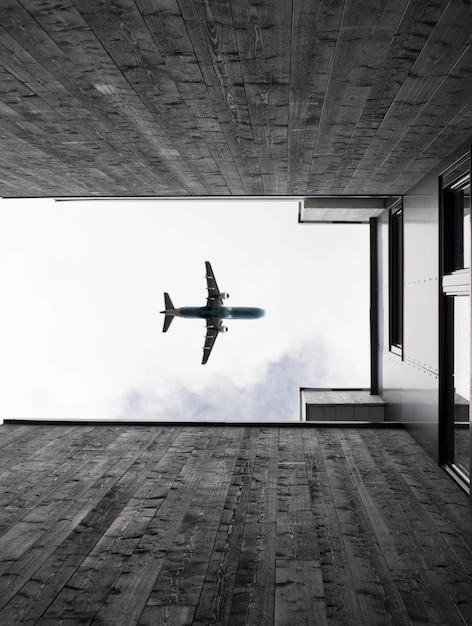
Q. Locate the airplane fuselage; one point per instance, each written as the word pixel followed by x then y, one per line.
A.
pixel 220 312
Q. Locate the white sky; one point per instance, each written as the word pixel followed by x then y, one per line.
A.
pixel 81 287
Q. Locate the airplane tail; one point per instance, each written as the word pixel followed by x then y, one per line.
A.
pixel 168 317
pixel 168 302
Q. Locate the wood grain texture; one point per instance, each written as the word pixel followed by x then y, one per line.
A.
pixel 229 524
pixel 225 98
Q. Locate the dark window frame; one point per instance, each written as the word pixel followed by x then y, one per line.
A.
pixel 396 278
pixel 454 281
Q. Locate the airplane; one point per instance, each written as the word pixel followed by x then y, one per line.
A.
pixel 214 312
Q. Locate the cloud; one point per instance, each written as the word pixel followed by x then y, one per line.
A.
pixel 273 398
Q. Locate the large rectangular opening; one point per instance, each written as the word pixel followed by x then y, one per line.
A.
pixel 82 287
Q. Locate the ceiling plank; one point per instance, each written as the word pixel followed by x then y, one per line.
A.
pixel 315 29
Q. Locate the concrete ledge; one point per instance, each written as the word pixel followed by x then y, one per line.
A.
pixel 113 422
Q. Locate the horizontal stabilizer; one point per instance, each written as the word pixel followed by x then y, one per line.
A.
pixel 169 312
pixel 167 322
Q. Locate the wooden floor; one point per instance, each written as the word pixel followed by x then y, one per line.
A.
pixel 228 525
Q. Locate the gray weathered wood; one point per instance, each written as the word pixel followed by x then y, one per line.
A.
pixel 229 524
pixel 229 97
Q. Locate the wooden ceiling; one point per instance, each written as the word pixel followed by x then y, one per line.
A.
pixel 230 97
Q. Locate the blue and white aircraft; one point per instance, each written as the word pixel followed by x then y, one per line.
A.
pixel 214 312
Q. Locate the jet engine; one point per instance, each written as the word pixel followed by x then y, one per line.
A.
pixel 223 329
pixel 223 295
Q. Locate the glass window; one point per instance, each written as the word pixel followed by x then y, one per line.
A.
pixel 455 320
pixel 461 377
pixel 466 226
pixel 457 226
pixel 396 280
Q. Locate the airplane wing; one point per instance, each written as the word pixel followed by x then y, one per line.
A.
pixel 213 298
pixel 210 338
